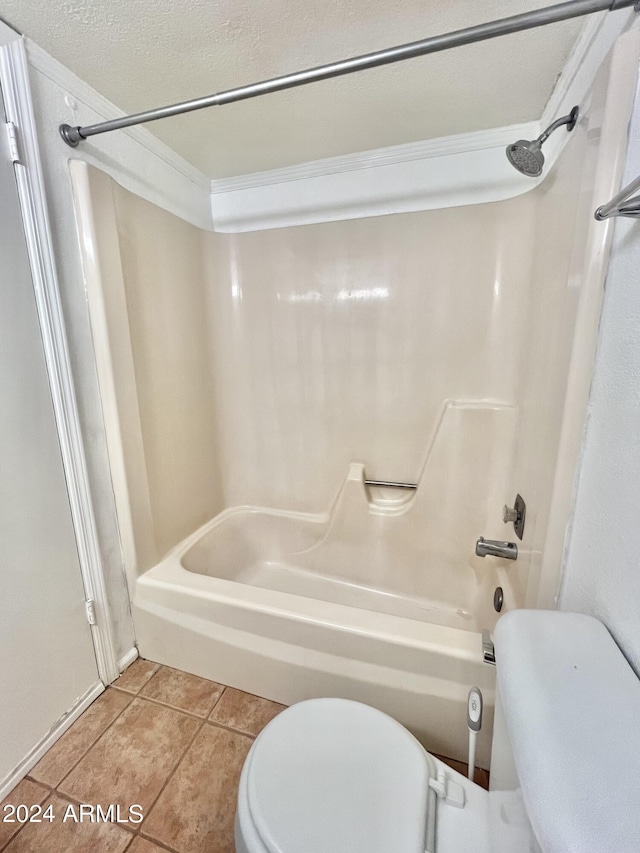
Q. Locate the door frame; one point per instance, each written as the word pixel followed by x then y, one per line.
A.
pixel 14 80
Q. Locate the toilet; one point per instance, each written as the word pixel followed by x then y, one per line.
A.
pixel 337 776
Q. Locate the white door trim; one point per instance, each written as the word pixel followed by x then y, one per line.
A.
pixel 14 78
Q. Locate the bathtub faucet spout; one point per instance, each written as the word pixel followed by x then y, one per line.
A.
pixel 493 548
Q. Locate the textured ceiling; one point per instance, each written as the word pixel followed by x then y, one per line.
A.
pixel 147 53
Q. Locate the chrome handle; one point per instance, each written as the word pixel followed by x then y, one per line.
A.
pixel 488 651
pixel 390 484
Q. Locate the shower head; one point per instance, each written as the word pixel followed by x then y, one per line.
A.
pixel 526 155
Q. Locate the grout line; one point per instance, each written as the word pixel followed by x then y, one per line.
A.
pixel 228 728
pixel 171 775
pixel 153 675
pixel 76 802
pixel 102 734
pixel 38 782
pixel 93 743
pixel 142 686
pixel 139 829
pixel 160 844
pixel 69 799
pixel 22 826
pixel 123 690
pixel 140 695
pixel 217 702
pixel 189 714
pixel 135 832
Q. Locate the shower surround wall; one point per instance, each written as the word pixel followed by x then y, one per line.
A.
pixel 261 365
pixel 343 341
pixel 166 307
pixel 396 343
pixel 256 379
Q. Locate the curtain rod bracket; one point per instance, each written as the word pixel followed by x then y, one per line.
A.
pixel 625 203
pixel 72 135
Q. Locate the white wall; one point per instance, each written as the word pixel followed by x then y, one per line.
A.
pixel 602 569
pixel 48 661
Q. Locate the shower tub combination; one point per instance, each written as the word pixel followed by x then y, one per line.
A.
pixel 270 595
pixel 354 602
pixel 253 383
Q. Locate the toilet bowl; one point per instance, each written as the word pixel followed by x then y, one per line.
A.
pixel 337 776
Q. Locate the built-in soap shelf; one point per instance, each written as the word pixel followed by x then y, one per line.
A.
pixel 388 495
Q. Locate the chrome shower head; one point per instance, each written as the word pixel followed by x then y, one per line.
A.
pixel 526 155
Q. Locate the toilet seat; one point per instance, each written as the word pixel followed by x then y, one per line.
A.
pixel 335 776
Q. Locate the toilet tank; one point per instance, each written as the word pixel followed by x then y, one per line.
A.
pixel 565 761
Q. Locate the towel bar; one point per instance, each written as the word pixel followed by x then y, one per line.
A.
pixel 388 484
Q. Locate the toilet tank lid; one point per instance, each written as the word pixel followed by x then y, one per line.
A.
pixel 572 708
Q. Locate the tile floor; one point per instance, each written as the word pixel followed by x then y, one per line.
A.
pixel 166 740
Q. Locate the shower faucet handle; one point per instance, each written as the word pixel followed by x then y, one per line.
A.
pixel 509 514
pixel 516 514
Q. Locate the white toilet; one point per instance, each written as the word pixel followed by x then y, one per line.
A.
pixel 335 776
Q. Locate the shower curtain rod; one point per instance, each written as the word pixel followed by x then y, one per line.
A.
pixel 625 203
pixel 504 26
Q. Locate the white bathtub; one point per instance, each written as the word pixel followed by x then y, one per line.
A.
pixel 217 606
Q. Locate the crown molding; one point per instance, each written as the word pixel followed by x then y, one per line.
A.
pixel 467 168
pixel 425 149
pixel 453 170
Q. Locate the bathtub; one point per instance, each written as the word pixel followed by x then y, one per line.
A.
pixel 242 602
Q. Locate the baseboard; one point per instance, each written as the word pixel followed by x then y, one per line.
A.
pixel 128 659
pixel 65 722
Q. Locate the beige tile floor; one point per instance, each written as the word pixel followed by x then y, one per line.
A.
pixel 160 738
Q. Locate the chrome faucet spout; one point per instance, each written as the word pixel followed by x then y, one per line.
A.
pixel 494 548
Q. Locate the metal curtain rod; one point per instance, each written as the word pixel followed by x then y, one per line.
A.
pixel 526 21
pixel 622 204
